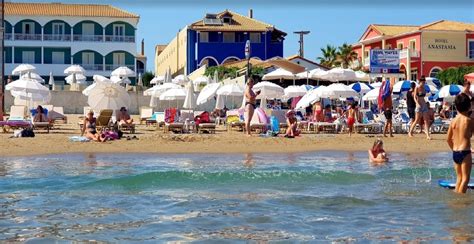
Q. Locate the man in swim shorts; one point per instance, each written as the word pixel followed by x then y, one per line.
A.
pixel 459 140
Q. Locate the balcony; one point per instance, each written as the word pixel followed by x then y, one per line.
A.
pixel 109 38
pixel 27 37
pixel 94 67
pixel 55 37
pixel 88 38
pixel 8 36
pixel 413 53
pixel 111 67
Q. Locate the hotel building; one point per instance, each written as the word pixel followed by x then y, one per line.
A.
pixel 424 50
pixel 53 36
pixel 218 39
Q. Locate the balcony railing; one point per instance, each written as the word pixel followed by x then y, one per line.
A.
pixel 56 37
pixel 28 37
pixel 413 53
pixel 88 38
pixel 110 67
pixel 109 38
pixel 96 67
pixel 8 36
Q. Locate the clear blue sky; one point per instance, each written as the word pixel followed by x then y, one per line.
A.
pixel 330 21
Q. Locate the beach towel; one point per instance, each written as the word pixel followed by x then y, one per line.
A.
pixel 262 117
pixel 204 117
pixel 275 124
pixel 171 115
pixel 78 139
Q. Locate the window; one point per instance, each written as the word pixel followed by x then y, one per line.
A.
pixel 255 38
pixel 229 37
pixel 388 46
pixel 204 36
pixel 227 20
pixel 434 72
pixel 400 46
pixel 57 57
pixel 414 75
pixel 119 59
pixel 119 30
pixel 28 28
pixel 88 29
pixel 88 58
pixel 470 51
pixel 28 57
pixel 412 44
pixel 58 28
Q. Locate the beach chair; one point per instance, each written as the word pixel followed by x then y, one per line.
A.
pixel 57 113
pixel 145 115
pixel 368 125
pixel 104 118
pixel 17 112
pixel 121 126
pixel 16 119
pixel 172 121
pixel 204 123
pixel 233 120
pixel 187 118
pixel 159 118
pixel 258 123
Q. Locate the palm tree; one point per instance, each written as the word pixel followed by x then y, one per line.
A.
pixel 345 55
pixel 329 56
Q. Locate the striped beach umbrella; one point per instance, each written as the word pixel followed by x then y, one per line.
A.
pixel 401 86
pixel 449 91
pixel 361 87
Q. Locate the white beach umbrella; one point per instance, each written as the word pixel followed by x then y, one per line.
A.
pixel 340 74
pixel 107 95
pixel 220 102
pixel 173 94
pixel 76 78
pixel 88 89
pixel 123 71
pixel 27 85
pixel 362 76
pixel 51 79
pixel 74 69
pixel 208 92
pixel 180 80
pixel 119 80
pixel 360 87
pixel 32 76
pixel 376 84
pixel 269 90
pixel 23 98
pixel 100 78
pixel 279 74
pixel 294 91
pixel 449 91
pixel 201 80
pixel 314 74
pixel 190 100
pixel 157 90
pixel 337 90
pixel 372 95
pixel 230 90
pixel 310 97
pixel 157 79
pixel 23 68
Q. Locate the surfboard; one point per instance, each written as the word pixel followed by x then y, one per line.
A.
pixel 452 184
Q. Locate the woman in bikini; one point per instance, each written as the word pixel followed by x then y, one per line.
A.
pixel 377 153
pixel 318 112
pixel 250 104
pixel 421 109
pixel 89 128
pixel 292 123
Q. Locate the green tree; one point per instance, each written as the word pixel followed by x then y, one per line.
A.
pixel 329 56
pixel 147 77
pixel 345 55
pixel 454 75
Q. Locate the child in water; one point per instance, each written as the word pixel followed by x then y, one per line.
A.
pixel 459 140
pixel 377 153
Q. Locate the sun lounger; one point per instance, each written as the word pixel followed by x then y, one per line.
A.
pixel 103 120
pixel 57 113
pixel 172 121
pixel 42 125
pixel 14 124
pixel 121 125
pixel 145 115
pixel 326 127
pixel 187 118
pixel 204 123
pixel 17 112
pixel 256 124
pixel 159 119
pixel 233 120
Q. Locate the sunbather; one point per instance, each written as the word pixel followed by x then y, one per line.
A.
pixel 89 128
pixel 40 116
pixel 124 117
pixel 291 120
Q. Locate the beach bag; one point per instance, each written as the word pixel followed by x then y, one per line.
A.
pixel 275 124
pixel 27 133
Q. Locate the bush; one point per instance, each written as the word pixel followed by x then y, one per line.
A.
pixel 147 77
pixel 454 75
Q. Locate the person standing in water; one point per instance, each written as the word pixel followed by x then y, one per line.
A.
pixel 421 109
pixel 459 140
pixel 250 104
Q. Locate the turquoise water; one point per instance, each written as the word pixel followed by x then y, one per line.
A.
pixel 329 196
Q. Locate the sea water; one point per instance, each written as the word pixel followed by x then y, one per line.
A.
pixel 325 196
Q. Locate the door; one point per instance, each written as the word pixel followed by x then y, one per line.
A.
pixel 58 57
pixel 28 28
pixel 58 28
pixel 119 32
pixel 28 57
pixel 88 60
pixel 87 29
pixel 119 60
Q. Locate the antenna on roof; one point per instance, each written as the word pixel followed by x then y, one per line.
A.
pixel 301 41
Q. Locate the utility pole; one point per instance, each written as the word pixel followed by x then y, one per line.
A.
pixel 301 41
pixel 2 66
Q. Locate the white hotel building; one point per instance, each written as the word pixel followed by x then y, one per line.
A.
pixel 52 36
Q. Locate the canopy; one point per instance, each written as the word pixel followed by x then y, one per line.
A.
pixel 201 80
pixel 23 68
pixel 269 90
pixel 361 87
pixel 315 74
pixel 107 95
pixel 123 71
pixel 173 94
pixel 99 78
pixel 74 69
pixel 208 92
pixel 27 85
pixel 372 95
pixel 337 90
pixel 119 80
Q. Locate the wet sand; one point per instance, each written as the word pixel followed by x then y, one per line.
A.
pixel 155 141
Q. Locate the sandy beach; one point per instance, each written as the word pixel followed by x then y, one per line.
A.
pixel 151 140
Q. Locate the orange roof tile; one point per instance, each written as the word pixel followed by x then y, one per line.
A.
pixel 61 9
pixel 393 30
pixel 447 25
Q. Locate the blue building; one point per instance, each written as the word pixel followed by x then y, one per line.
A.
pixel 218 39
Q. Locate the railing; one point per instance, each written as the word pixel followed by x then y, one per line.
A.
pixel 56 37
pixel 8 36
pixel 110 67
pixel 413 53
pixel 88 38
pixel 109 38
pixel 98 67
pixel 28 37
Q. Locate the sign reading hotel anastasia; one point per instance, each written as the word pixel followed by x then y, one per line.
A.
pixel 384 61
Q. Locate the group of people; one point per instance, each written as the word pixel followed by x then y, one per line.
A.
pixel 89 126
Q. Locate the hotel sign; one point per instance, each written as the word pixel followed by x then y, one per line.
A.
pixel 444 46
pixel 384 61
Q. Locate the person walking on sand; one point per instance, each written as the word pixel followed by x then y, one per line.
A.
pixel 352 117
pixel 459 140
pixel 421 109
pixel 250 104
pixel 411 104
pixel 386 97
